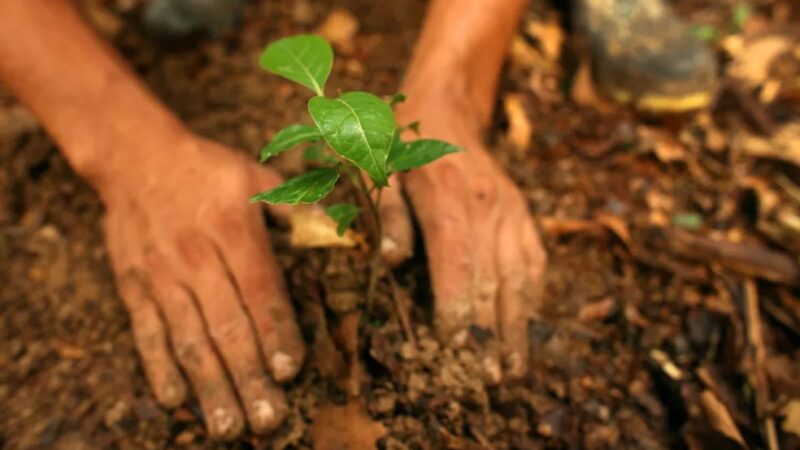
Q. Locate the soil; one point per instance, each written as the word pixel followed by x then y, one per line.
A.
pixel 672 313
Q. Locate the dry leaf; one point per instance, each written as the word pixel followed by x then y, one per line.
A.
pixel 719 418
pixel 584 92
pixel 519 127
pixel 665 147
pixel 347 427
pixel 340 28
pixel 753 60
pixel 783 145
pixel 312 228
pixel 525 56
pixel 791 413
pixel 550 35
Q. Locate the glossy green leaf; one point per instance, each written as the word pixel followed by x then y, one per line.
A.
pixel 310 187
pixel 304 59
pixel 407 156
pixel 359 127
pixel 314 152
pixel 288 138
pixel 344 214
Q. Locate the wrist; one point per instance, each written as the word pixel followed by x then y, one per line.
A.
pixel 126 149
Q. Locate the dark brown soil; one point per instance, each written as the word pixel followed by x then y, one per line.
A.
pixel 638 331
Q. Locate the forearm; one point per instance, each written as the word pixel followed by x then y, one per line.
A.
pixel 461 51
pixel 89 101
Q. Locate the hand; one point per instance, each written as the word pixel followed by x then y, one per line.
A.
pixel 194 267
pixel 486 259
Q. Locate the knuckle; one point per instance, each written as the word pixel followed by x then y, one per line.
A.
pixel 234 332
pixel 148 340
pixel 188 352
pixel 192 251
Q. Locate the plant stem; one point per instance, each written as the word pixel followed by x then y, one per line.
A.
pixel 375 260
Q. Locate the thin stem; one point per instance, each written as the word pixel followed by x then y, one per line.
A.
pixel 375 261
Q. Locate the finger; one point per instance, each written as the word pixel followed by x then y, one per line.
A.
pixel 151 341
pixel 148 330
pixel 268 178
pixel 232 332
pixel 448 241
pixel 484 208
pixel 514 300
pixel 398 241
pixel 195 352
pixel 247 251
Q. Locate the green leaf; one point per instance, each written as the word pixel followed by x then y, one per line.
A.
pixel 407 156
pixel 310 187
pixel 741 13
pixel 344 214
pixel 706 33
pixel 359 127
pixel 398 98
pixel 689 221
pixel 288 138
pixel 304 59
pixel 314 152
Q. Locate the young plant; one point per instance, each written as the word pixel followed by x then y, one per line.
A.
pixel 353 134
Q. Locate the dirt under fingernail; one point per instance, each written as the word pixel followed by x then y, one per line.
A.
pixel 223 423
pixel 263 414
pixel 283 366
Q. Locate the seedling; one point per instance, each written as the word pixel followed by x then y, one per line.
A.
pixel 353 134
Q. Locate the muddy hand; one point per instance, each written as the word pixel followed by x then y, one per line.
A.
pixel 194 266
pixel 486 260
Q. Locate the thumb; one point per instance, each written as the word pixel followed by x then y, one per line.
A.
pixel 398 234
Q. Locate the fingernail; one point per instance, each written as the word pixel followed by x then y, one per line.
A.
pixel 263 414
pixel 493 370
pixel 283 367
pixel 388 245
pixel 223 423
pixel 171 395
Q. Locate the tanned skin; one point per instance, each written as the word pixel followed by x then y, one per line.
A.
pixel 192 258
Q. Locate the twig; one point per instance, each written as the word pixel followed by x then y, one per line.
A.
pixel 755 367
pixel 402 313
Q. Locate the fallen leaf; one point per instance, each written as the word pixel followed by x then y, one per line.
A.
pixel 551 36
pixel 666 148
pixel 519 126
pixel 347 427
pixel 525 56
pixel 783 145
pixel 719 418
pixel 340 28
pixel 791 414
pixel 584 92
pixel 312 228
pixel 753 60
pixel 69 351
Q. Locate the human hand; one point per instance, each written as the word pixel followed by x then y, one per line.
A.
pixel 194 267
pixel 486 260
